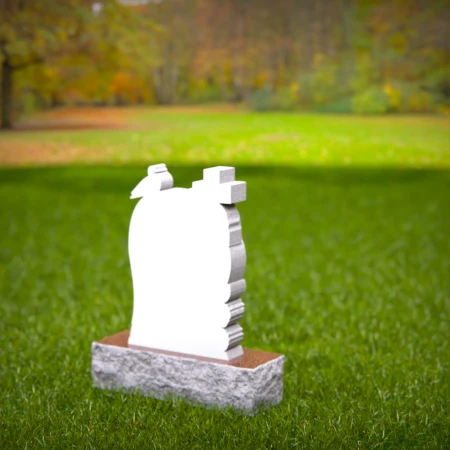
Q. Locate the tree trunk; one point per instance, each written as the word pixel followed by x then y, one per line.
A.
pixel 6 94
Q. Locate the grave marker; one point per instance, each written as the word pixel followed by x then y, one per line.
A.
pixel 188 261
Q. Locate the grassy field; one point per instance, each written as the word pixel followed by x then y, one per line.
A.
pixel 198 136
pixel 348 276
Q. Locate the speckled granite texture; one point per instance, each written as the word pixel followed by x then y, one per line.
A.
pixel 211 384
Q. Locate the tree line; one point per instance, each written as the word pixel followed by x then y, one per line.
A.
pixel 362 56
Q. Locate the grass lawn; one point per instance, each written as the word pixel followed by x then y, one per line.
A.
pixel 199 136
pixel 348 276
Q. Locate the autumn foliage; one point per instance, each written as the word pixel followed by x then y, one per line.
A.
pixel 327 55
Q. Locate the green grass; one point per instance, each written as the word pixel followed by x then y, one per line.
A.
pixel 348 276
pixel 264 139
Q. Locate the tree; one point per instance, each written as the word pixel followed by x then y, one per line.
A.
pixel 317 54
pixel 63 34
pixel 31 32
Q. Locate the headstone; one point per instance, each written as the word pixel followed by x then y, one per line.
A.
pixel 188 260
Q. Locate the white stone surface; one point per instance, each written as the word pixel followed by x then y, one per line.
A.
pixel 188 261
pixel 206 383
pixel 219 174
pixel 227 193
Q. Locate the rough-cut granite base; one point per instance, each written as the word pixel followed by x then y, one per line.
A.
pixel 254 381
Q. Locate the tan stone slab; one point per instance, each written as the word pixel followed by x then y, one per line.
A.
pixel 250 360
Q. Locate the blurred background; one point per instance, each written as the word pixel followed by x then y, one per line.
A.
pixel 335 113
pixel 339 56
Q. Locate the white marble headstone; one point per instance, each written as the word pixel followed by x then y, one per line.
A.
pixel 188 260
